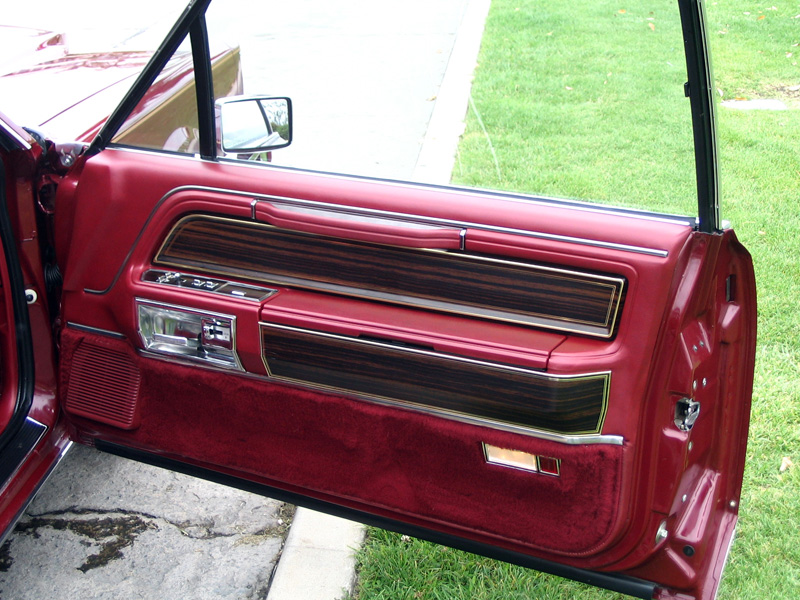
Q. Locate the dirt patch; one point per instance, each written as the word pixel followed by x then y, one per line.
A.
pixel 112 533
pixel 770 96
pixel 5 557
pixel 285 516
pixel 783 92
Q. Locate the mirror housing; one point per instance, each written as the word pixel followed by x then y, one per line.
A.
pixel 253 124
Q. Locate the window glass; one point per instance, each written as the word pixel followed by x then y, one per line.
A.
pixel 583 101
pixel 577 100
pixel 166 117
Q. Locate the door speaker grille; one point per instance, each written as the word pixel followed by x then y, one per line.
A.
pixel 103 386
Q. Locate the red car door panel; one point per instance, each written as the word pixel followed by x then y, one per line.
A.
pixel 520 373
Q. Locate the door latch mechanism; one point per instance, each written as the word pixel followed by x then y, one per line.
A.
pixel 686 413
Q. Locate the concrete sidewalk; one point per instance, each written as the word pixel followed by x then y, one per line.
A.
pixel 108 528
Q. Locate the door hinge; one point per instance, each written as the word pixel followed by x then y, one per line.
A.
pixel 686 413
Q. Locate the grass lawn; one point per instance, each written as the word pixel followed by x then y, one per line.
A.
pixel 567 102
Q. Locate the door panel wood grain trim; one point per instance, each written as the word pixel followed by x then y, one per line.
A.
pixel 432 381
pixel 512 291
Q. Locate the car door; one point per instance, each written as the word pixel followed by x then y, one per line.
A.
pixel 555 384
pixel 32 438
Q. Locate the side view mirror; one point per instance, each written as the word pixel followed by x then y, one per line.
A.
pixel 253 124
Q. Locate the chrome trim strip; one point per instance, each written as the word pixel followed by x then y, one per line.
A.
pixel 96 330
pixel 576 204
pixel 463 241
pixel 44 430
pixel 339 208
pixel 510 196
pixel 432 353
pixel 387 214
pixel 35 491
pixel 728 551
pixel 349 217
pixel 574 439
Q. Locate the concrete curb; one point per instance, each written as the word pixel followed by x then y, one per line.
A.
pixel 318 559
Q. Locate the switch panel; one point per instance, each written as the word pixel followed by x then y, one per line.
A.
pixel 208 284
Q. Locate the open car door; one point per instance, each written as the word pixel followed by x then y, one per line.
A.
pixel 555 384
pixel 32 437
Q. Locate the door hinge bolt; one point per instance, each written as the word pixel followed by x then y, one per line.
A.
pixel 662 533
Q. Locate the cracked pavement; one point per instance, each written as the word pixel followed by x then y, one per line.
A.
pixel 192 539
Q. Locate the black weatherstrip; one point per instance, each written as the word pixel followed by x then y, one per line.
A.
pixel 616 582
pixel 204 88
pixel 22 327
pixel 701 96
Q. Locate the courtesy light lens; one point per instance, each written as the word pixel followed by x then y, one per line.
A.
pixel 516 459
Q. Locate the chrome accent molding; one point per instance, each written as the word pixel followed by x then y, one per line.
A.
pixel 661 253
pixel 22 447
pixel 17 137
pixel 339 208
pixel 35 491
pixel 96 330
